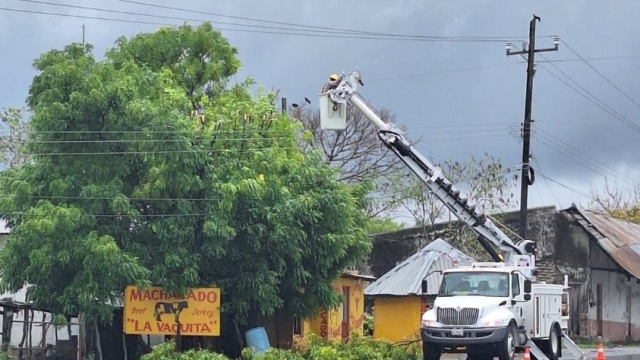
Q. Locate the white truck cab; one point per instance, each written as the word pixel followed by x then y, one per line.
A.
pixel 491 310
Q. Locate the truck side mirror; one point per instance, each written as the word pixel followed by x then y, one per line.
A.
pixel 424 280
pixel 527 286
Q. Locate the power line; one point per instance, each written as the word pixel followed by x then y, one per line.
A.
pixel 178 18
pixel 207 199
pixel 573 157
pixel 138 215
pixel 446 38
pixel 409 76
pixel 489 130
pixel 268 131
pixel 390 37
pixel 535 159
pixel 585 195
pixel 591 59
pixel 135 152
pixel 593 98
pixel 582 154
pixel 601 75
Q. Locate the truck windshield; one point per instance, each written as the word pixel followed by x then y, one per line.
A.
pixel 475 283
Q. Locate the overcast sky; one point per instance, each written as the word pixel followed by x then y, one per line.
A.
pixel 462 98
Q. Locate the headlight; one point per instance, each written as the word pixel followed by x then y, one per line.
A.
pixel 428 323
pixel 493 323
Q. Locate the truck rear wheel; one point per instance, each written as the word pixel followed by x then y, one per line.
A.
pixel 431 351
pixel 552 347
pixel 506 349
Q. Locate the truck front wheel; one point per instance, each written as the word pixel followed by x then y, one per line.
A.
pixel 431 351
pixel 507 347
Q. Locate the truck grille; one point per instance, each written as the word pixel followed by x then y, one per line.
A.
pixel 451 316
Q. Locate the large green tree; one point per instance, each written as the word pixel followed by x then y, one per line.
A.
pixel 147 168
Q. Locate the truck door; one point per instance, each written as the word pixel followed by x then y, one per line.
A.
pixel 516 294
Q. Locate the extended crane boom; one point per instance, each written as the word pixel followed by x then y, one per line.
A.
pixel 333 116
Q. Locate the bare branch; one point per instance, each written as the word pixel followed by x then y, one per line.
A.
pixel 356 152
pixel 481 181
pixel 618 202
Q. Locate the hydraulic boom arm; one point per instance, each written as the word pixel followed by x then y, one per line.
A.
pixel 346 92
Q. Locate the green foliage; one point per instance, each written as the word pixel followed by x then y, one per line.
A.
pixel 379 225
pixel 6 356
pixel 315 349
pixel 127 186
pixel 271 354
pixel 356 349
pixel 200 59
pixel 368 325
pixel 167 351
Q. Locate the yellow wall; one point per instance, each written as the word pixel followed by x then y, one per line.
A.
pixel 328 324
pixel 397 318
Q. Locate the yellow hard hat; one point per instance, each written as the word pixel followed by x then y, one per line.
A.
pixel 333 77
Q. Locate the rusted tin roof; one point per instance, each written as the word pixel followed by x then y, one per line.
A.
pixel 406 278
pixel 620 239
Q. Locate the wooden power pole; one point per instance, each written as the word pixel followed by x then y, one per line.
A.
pixel 526 180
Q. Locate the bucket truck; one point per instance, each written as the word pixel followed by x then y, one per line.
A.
pixel 490 309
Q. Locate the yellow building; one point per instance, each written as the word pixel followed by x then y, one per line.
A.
pixel 336 324
pixel 402 295
pixel 348 318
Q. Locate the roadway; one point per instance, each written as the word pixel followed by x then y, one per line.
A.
pixel 620 353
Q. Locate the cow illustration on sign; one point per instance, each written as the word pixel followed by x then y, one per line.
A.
pixel 175 308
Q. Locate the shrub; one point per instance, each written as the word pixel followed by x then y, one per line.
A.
pixel 363 348
pixel 6 356
pixel 368 325
pixel 167 351
pixel 311 348
pixel 271 354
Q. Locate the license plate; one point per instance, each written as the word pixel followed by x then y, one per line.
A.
pixel 457 332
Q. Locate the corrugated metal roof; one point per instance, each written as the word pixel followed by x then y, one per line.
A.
pixel 406 278
pixel 620 239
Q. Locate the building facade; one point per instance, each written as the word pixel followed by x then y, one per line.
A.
pixel 599 254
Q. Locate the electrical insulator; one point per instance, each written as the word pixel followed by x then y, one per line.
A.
pixel 508 46
pixel 556 41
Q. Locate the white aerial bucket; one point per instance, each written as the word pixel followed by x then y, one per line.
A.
pixel 331 119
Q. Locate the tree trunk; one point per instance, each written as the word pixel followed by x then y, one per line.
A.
pixel 82 334
pixel 25 330
pixel 98 346
pixel 253 317
pixel 124 346
pixel 238 335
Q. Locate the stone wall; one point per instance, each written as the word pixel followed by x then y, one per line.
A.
pixel 389 249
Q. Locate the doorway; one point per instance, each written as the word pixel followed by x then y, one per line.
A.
pixel 599 308
pixel 345 313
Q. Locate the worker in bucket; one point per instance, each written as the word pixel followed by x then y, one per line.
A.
pixel 333 82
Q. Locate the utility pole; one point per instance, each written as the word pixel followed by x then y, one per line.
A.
pixel 284 105
pixel 83 42
pixel 526 179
